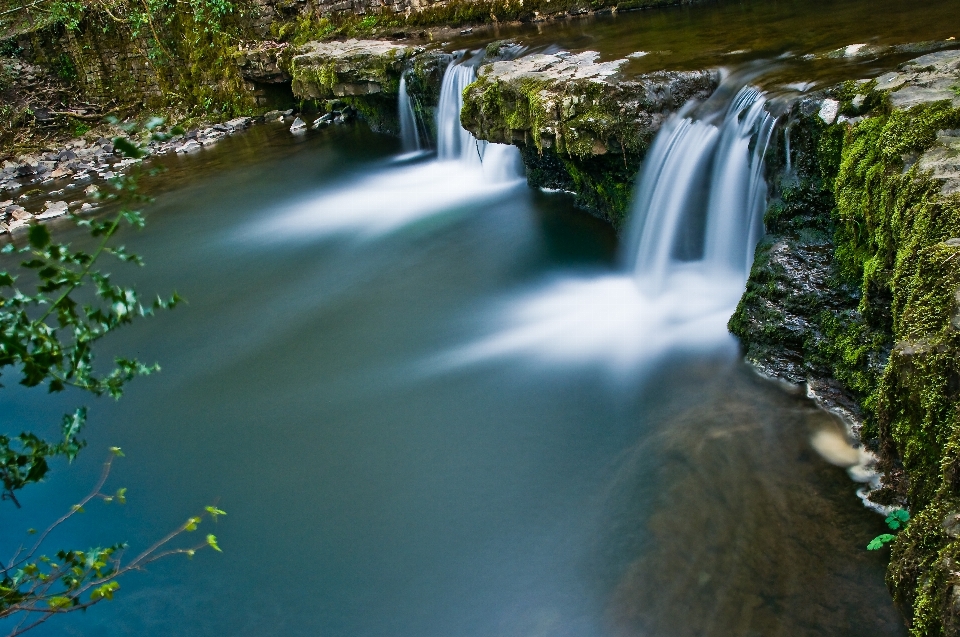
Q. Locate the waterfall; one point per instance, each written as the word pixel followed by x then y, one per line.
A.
pixel 696 220
pixel 467 172
pixel 701 195
pixel 501 162
pixel 409 132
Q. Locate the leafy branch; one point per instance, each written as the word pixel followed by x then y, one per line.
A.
pixel 53 312
pixel 40 587
pixel 49 337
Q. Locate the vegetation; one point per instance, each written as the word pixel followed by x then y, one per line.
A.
pixel 896 520
pixel 54 309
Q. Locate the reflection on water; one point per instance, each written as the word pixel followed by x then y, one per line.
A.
pixel 726 33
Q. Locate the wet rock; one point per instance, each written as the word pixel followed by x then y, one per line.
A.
pixel 323 120
pixel 943 161
pixel 190 147
pixel 17 224
pixel 53 209
pixel 929 78
pixel 828 111
pixel 18 213
pixel 298 126
pixel 239 123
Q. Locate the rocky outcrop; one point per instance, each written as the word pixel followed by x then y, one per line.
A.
pixel 580 124
pixel 365 75
pixel 856 286
pixel 575 104
pixel 261 63
pixel 324 70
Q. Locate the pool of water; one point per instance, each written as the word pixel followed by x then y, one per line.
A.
pixel 378 483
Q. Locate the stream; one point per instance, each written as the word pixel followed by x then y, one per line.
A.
pixel 435 402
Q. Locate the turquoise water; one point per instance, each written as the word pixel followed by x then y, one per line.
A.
pixel 373 491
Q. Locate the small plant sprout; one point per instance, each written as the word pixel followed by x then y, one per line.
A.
pixel 896 520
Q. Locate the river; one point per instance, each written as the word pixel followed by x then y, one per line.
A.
pixel 416 388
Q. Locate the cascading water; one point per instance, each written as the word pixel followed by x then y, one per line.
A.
pixel 696 221
pixel 454 143
pixel 701 195
pixel 409 131
pixel 466 170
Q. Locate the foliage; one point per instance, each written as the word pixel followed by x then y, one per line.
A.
pixel 52 314
pixel 36 587
pixel 897 519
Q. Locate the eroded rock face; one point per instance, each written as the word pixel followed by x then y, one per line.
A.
pixel 325 70
pixel 576 104
pixel 263 63
pixel 580 124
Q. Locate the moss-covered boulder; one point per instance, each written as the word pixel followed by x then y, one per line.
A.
pixel 325 70
pixel 581 125
pixel 869 202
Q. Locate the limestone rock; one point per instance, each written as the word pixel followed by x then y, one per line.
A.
pixel 263 63
pixel 322 70
pixel 829 110
pixel 929 78
pixel 575 103
pixel 943 161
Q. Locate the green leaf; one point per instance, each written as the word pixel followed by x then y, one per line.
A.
pixel 154 122
pixel 116 451
pixel 121 495
pixel 39 236
pixel 897 518
pixel 214 512
pixel 212 542
pixel 105 591
pixel 878 542
pixel 58 602
pixel 191 524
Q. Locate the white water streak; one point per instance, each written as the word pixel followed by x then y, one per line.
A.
pixel 465 172
pixel 409 131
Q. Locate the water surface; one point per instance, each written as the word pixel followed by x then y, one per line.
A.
pixel 373 491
